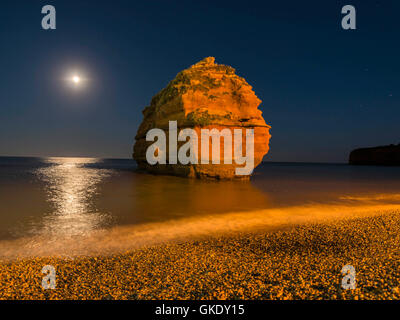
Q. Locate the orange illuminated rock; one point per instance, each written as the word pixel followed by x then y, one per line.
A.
pixel 204 96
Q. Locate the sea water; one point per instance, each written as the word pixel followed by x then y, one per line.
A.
pixel 73 206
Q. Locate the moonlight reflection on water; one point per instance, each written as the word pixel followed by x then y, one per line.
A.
pixel 70 188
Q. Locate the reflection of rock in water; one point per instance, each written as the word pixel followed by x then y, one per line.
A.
pixel 70 188
pixel 143 198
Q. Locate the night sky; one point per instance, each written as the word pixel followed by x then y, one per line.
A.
pixel 325 90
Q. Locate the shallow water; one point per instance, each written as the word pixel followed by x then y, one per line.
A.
pixel 64 204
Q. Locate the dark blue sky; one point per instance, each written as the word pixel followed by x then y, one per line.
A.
pixel 325 90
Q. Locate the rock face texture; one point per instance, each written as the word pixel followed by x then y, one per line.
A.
pixel 205 96
pixel 382 156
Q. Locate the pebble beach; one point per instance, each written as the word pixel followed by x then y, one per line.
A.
pixel 299 262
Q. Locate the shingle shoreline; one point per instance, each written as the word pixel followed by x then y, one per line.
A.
pixel 302 262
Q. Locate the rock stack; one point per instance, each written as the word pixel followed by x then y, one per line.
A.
pixel 205 96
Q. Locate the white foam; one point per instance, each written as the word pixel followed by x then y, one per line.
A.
pixel 125 238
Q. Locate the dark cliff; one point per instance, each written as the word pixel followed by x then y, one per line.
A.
pixel 382 156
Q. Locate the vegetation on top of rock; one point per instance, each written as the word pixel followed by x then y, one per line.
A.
pixel 204 118
pixel 199 77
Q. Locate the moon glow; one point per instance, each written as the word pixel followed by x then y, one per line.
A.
pixel 76 79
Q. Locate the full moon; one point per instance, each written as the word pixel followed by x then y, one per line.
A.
pixel 76 79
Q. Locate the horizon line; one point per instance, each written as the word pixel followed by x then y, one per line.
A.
pixel 117 158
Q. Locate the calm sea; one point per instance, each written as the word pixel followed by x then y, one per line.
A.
pixel 68 198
